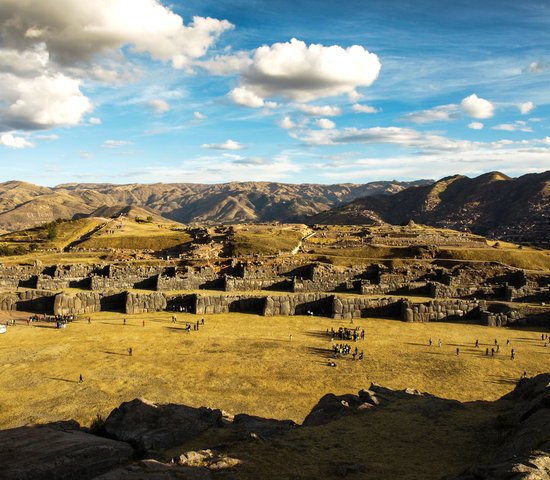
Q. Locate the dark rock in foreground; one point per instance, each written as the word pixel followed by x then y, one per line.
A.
pixel 148 426
pixel 57 452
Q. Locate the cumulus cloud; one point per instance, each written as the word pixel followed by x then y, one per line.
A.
pixel 226 64
pixel 357 107
pixel 519 126
pixel 227 145
pixel 41 102
pixel 247 98
pixel 526 107
pixel 442 113
pixel 320 110
pixel 286 123
pixel 300 72
pixel 199 116
pixel 76 31
pixel 49 47
pixel 325 123
pixel 158 106
pixel 10 141
pixel 476 126
pixel 477 107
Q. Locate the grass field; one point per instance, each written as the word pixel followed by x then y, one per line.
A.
pixel 243 363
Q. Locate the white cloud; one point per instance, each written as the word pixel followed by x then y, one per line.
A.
pixel 49 47
pixel 364 108
pixel 8 140
pixel 286 123
pixel 477 107
pixel 538 66
pixel 199 116
pixel 78 31
pixel 158 106
pixel 227 145
pixel 115 143
pixel 320 110
pixel 476 126
pixel 404 137
pixel 518 126
pixel 226 64
pixel 442 113
pixel 247 98
pixel 41 102
pixel 296 71
pixel 47 137
pixel 325 124
pixel 526 107
pixel 95 121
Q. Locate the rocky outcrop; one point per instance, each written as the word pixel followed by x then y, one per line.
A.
pixel 149 427
pixel 58 451
pixel 525 452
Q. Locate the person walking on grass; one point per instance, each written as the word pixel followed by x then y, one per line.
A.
pixel 80 379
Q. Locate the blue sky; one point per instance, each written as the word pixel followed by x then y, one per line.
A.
pixel 125 91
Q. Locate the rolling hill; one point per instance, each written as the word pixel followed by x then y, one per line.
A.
pixel 493 205
pixel 23 205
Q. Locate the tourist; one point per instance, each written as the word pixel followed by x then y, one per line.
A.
pixel 457 350
pixel 80 379
pixel 430 342
pixel 143 323
pixel 439 343
pixel 477 343
pixel 492 352
pixel 124 321
pixel 487 351
pixel 512 355
pixel 130 351
pixel 361 355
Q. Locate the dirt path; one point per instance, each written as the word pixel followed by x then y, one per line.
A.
pixel 296 249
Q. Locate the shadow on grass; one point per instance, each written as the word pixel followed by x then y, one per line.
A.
pixel 176 329
pixel 325 352
pixel 318 334
pixel 63 380
pixel 117 353
pixel 45 326
pixel 502 380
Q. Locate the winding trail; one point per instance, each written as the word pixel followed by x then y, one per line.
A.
pixel 296 249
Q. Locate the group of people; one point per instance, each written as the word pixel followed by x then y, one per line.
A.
pixel 343 349
pixel 346 334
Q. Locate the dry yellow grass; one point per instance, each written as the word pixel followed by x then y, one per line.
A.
pixel 243 363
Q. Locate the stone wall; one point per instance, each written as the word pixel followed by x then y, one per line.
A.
pixel 81 303
pixel 442 311
pixel 145 302
pixel 235 284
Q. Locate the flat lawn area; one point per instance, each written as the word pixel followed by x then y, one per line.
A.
pixel 243 363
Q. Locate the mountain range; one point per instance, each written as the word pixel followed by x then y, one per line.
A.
pixel 493 205
pixel 24 205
